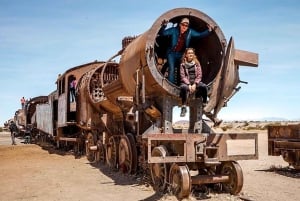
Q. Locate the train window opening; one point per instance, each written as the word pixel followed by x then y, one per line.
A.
pixel 72 88
pixel 71 98
pixel 179 122
pixel 174 147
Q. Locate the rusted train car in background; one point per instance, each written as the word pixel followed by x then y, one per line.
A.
pixel 25 117
pixel 122 114
pixel 284 140
pixel 60 117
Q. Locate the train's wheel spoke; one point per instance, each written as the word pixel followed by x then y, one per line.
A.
pixel 134 160
pixel 112 152
pixel 90 155
pixel 180 181
pixel 125 155
pixel 159 171
pixel 234 171
pixel 100 152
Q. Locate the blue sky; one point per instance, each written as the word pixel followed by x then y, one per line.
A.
pixel 41 39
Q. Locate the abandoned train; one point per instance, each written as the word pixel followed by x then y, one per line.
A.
pixel 123 111
pixel 284 140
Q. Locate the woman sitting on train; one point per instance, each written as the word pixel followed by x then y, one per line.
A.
pixel 190 77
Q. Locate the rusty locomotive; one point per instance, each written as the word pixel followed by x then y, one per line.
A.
pixel 284 140
pixel 123 114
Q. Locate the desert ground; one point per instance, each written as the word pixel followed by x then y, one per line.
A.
pixel 29 172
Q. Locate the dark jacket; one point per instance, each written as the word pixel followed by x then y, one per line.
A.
pixel 13 127
pixel 174 33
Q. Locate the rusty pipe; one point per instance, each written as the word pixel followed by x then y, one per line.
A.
pixel 209 179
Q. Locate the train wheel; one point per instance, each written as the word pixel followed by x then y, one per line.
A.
pixel 127 154
pixel 291 157
pixel 134 153
pixel 235 183
pixel 159 171
pixel 100 152
pixel 180 181
pixel 90 155
pixel 112 151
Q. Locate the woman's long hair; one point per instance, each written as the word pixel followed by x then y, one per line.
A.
pixel 195 59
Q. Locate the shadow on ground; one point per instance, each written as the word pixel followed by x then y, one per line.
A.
pixel 284 171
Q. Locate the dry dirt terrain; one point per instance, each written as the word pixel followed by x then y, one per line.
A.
pixel 29 172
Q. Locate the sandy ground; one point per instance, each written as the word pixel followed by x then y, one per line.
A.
pixel 31 173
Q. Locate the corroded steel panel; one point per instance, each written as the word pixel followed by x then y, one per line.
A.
pixel 230 149
pixel 44 118
pixel 284 132
pixel 284 140
pixel 283 137
pixel 62 110
pixel 230 146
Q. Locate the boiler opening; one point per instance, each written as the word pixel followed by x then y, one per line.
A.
pixel 209 49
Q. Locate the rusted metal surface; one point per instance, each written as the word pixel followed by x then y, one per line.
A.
pixel 68 139
pixel 24 116
pixel 284 140
pixel 291 132
pixel 245 147
pixel 226 82
pixel 245 58
pixel 44 118
pixel 63 88
pixel 283 137
pixel 30 106
pixel 20 120
pixel 209 179
pixel 180 180
pixel 62 107
pixel 91 96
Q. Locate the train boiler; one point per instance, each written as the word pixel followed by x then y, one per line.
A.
pixel 135 103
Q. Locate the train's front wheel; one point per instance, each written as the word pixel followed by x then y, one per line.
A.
pixel 112 151
pixel 100 154
pixel 89 142
pixel 234 171
pixel 159 171
pixel 127 154
pixel 180 181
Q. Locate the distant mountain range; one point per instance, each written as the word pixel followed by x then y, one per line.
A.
pixel 183 122
pixel 275 119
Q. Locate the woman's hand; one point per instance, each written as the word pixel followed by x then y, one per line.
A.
pixel 192 88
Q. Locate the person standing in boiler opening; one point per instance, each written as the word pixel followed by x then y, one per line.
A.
pixel 72 89
pixel 23 102
pixel 190 77
pixel 180 40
